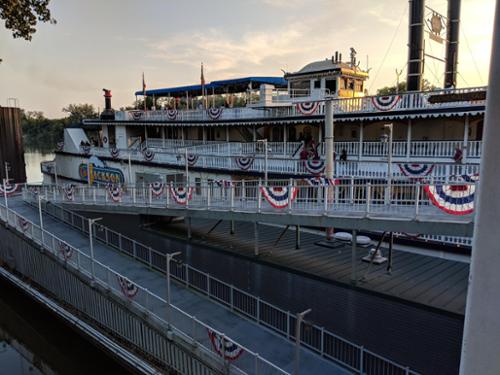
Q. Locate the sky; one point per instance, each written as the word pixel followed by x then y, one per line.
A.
pixel 109 44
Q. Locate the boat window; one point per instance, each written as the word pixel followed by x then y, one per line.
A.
pixel 317 84
pixel 331 84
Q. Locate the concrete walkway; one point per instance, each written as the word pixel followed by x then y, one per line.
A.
pixel 272 347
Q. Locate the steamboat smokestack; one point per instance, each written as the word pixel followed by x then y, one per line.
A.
pixel 108 113
pixel 452 36
pixel 416 46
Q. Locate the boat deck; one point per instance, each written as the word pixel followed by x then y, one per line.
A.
pixel 430 281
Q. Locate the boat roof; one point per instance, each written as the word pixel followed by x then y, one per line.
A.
pixel 226 86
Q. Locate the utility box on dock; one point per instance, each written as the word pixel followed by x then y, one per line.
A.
pixel 11 145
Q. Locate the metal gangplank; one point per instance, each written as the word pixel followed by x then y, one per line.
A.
pixel 250 347
pixel 399 206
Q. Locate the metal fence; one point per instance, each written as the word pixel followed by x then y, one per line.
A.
pixel 183 325
pixel 316 338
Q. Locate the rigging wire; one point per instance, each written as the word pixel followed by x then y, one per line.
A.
pixel 472 56
pixel 388 49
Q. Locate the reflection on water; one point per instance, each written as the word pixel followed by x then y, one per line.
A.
pixel 33 158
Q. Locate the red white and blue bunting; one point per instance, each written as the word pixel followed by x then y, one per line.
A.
pixel 65 250
pixel 115 193
pixel 59 146
pixel 172 114
pixel 24 224
pixel 321 181
pixel 192 159
pixel 314 166
pixel 128 288
pixel 416 171
pixel 454 199
pixel 385 103
pixel 136 115
pixel 9 188
pixel 214 113
pixel 181 194
pixel 157 188
pixel 69 192
pixel 244 162
pixel 227 349
pixel 279 196
pixel 114 152
pixel 147 154
pixel 470 177
pixel 307 108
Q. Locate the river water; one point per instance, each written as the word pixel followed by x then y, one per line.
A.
pixel 32 340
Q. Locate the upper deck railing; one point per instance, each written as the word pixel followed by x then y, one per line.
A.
pixel 408 101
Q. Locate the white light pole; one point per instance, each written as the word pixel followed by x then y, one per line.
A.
pixel 264 142
pixel 40 197
pixel 169 258
pixel 389 163
pixel 7 167
pixel 91 242
pixel 55 171
pixel 298 323
pixel 5 182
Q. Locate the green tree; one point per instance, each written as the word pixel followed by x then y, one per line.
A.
pixel 389 90
pixel 21 16
pixel 41 133
pixel 78 112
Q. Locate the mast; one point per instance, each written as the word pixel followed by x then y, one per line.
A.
pixel 416 46
pixel 452 36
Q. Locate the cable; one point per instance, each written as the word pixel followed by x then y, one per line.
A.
pixel 473 59
pixel 388 49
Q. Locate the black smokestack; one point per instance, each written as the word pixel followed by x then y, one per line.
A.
pixel 416 46
pixel 452 36
pixel 108 113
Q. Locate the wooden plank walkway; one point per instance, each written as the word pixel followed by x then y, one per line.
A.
pixel 431 281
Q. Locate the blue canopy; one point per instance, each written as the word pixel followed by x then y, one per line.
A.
pixel 227 86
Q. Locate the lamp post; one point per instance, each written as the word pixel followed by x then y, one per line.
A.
pixel 55 171
pixel 389 161
pixel 40 197
pixel 169 258
pixel 264 142
pixel 298 323
pixel 91 242
pixel 5 182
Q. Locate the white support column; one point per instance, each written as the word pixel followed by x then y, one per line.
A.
pixel 466 139
pixel 481 338
pixel 163 136
pixel 329 134
pixel 254 133
pixel 182 134
pixel 227 133
pixel 145 132
pixel 204 135
pixel 408 139
pixel 361 136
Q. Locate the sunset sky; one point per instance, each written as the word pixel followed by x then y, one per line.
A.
pixel 98 44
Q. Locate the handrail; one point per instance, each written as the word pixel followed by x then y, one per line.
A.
pixel 219 294
pixel 53 244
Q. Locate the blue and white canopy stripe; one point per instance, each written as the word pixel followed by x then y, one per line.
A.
pixel 181 194
pixel 192 159
pixel 385 103
pixel 314 166
pixel 65 250
pixel 224 347
pixel 172 114
pixel 455 199
pixel 414 170
pixel 214 113
pixel 157 188
pixel 307 108
pixel 69 192
pixel 9 188
pixel 320 181
pixel 279 196
pixel 244 162
pixel 114 152
pixel 115 193
pixel 128 288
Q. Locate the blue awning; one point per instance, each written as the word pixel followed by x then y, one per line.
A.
pixel 227 86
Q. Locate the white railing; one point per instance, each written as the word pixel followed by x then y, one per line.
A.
pixel 251 307
pixel 144 298
pixel 225 158
pixel 404 102
pixel 399 200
